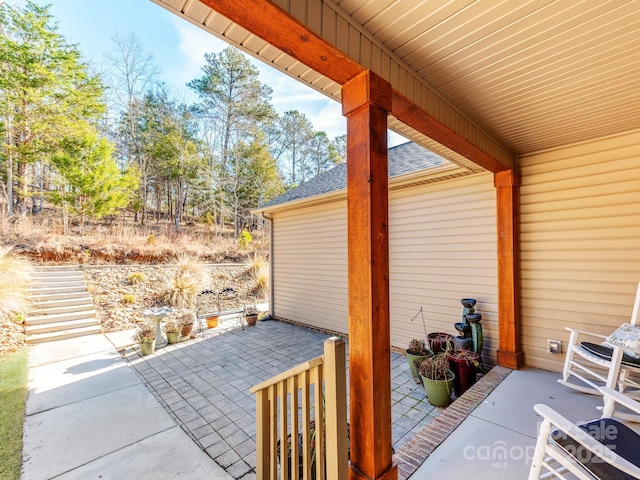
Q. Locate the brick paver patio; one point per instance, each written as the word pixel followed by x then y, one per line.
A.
pixel 204 385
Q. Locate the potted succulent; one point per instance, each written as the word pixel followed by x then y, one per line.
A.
pixel 464 364
pixel 145 336
pixel 186 324
pixel 172 329
pixel 251 315
pixel 437 379
pixel 416 352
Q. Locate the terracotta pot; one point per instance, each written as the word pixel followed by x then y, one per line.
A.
pixel 186 330
pixel 212 321
pixel 251 319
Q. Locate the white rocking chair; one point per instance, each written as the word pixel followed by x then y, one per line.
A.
pixel 604 449
pixel 595 365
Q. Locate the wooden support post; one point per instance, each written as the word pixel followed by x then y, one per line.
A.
pixel 509 350
pixel 365 102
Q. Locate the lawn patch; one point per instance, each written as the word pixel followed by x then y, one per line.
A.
pixel 13 397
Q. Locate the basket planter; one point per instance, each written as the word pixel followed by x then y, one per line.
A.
pixel 147 348
pixel 212 321
pixel 438 391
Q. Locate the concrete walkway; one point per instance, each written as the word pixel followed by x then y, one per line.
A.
pixel 89 416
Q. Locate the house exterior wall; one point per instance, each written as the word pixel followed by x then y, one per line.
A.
pixel 580 241
pixel 442 244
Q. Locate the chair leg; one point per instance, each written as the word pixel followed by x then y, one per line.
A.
pixel 614 369
pixel 538 456
pixel 566 370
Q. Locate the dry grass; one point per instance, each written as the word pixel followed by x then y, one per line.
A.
pixel 14 278
pixel 118 240
pixel 261 280
pixel 183 284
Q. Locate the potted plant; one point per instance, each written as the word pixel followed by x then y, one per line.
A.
pixel 172 330
pixel 186 324
pixel 416 352
pixel 145 336
pixel 440 342
pixel 437 379
pixel 464 364
pixel 251 315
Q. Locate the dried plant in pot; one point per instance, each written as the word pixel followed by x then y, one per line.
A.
pixel 464 364
pixel 172 329
pixel 186 324
pixel 437 379
pixel 145 336
pixel 417 351
pixel 440 342
pixel 251 315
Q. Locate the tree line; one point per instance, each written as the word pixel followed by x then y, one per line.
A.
pixel 94 138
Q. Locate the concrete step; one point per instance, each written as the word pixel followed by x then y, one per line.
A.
pixel 53 290
pixel 62 334
pixel 57 268
pixel 46 302
pixel 60 317
pixel 61 326
pixel 56 308
pixel 44 283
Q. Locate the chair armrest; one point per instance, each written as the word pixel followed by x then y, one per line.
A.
pixel 587 441
pixel 621 398
pixel 584 332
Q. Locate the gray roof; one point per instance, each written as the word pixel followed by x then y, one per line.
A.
pixel 403 159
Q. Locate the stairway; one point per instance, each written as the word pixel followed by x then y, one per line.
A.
pixel 61 306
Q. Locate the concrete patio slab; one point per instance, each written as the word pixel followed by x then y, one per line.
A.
pixel 69 381
pixel 44 353
pixel 61 439
pixel 166 455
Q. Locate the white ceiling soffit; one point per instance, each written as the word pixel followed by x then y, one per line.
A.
pixel 533 74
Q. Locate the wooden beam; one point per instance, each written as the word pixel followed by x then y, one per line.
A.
pixel 509 346
pixel 411 114
pixel 269 22
pixel 366 100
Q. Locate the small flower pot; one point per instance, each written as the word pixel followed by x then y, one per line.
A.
pixel 173 337
pixel 412 359
pixel 251 319
pixel 212 321
pixel 147 348
pixel 439 342
pixel 186 330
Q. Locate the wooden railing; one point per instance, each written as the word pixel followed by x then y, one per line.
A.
pixel 290 407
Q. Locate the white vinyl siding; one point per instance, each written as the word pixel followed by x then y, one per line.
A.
pixel 580 241
pixel 442 246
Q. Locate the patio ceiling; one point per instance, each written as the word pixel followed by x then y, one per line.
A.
pixel 510 77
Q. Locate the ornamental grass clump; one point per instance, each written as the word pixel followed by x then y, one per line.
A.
pixel 15 275
pixel 172 327
pixel 182 286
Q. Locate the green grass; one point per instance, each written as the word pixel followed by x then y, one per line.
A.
pixel 13 396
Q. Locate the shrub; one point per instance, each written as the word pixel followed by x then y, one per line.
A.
pixel 183 285
pixel 14 278
pixel 245 238
pixel 172 327
pixel 257 262
pixel 137 277
pixel 260 280
pixel 129 299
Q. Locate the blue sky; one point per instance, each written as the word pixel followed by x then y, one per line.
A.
pixel 178 48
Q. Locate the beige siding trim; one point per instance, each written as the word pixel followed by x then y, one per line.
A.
pixel 580 241
pixel 442 249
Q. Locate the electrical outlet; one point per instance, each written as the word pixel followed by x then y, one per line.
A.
pixel 554 346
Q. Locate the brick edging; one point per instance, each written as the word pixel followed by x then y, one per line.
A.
pixel 415 451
